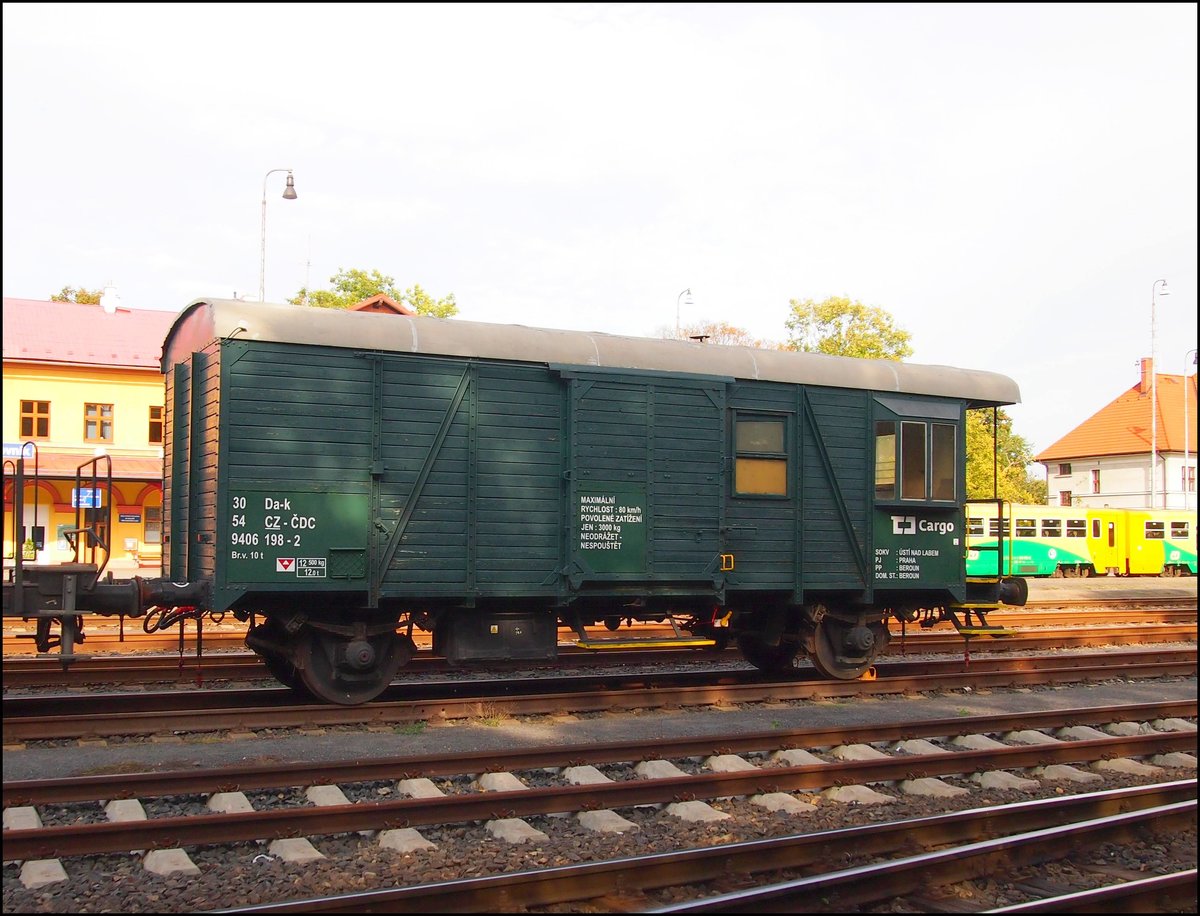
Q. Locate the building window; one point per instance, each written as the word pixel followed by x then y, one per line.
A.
pixel 35 419
pixel 1189 479
pixel 156 426
pixel 1064 470
pixel 1095 480
pixel 98 422
pixel 1064 497
pixel 760 467
pixel 152 530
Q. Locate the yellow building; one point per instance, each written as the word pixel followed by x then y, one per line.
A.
pixel 82 382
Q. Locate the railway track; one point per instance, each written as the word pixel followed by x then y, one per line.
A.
pixel 72 716
pixel 26 673
pixel 103 635
pixel 668 879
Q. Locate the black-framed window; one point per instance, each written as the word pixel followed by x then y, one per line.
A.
pixel 917 458
pixel 760 455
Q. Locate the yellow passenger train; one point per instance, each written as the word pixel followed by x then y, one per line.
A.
pixel 1079 541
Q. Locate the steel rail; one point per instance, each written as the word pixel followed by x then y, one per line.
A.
pixel 125 669
pixel 169 832
pixel 599 880
pixel 1160 894
pixel 102 635
pixel 282 775
pixel 33 718
pixel 850 887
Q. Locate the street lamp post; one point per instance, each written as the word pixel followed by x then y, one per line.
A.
pixel 1187 393
pixel 1154 396
pixel 289 193
pixel 687 292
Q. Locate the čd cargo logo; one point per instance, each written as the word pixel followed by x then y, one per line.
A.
pixel 910 524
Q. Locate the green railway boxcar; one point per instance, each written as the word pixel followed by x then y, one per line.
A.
pixel 347 477
pixel 342 479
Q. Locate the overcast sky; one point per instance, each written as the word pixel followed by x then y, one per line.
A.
pixel 1007 181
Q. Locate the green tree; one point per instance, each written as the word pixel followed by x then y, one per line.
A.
pixel 353 286
pixel 840 327
pixel 81 295
pixel 1013 457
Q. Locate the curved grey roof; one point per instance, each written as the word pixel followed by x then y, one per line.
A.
pixel 203 320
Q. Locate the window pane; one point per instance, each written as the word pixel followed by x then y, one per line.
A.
pixel 760 436
pixel 35 419
pixel 1154 531
pixel 1026 528
pixel 912 461
pixel 1179 531
pixel 156 426
pixel 1052 527
pixel 153 528
pixel 885 460
pixel 766 476
pixel 944 461
pixel 97 422
pixel 1077 528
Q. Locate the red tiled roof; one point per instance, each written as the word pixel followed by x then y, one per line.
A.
pixel 64 464
pixel 382 303
pixel 68 332
pixel 1124 426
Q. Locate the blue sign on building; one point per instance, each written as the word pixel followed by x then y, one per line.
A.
pixel 87 498
pixel 13 449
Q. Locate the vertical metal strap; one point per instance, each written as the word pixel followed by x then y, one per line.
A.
pixel 410 504
pixel 177 530
pixel 835 490
pixel 197 442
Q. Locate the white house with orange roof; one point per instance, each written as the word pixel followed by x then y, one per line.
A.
pixel 1106 459
pixel 84 382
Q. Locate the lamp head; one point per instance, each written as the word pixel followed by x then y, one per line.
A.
pixel 289 193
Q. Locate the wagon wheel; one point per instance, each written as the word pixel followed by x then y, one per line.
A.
pixel 283 670
pixel 772 659
pixel 845 651
pixel 268 640
pixel 353 670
